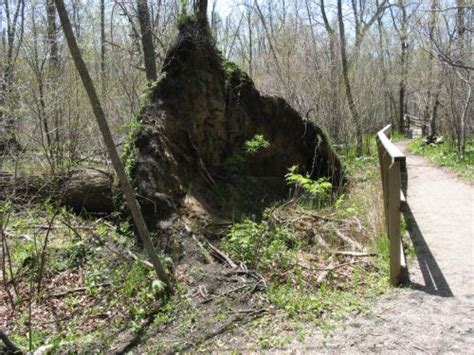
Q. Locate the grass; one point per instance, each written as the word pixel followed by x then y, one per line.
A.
pixel 445 154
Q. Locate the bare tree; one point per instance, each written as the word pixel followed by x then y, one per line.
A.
pixel 11 43
pixel 127 189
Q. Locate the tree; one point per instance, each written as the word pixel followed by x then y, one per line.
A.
pixel 345 75
pixel 361 29
pixel 200 8
pixel 126 187
pixel 10 43
pixel 147 40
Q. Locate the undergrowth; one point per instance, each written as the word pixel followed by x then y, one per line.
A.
pixel 294 246
pixel 89 279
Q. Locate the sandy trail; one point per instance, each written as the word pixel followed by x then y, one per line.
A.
pixel 435 314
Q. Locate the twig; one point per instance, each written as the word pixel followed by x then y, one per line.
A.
pixel 335 267
pixel 203 250
pixel 355 245
pixel 222 256
pixel 353 253
pixel 207 300
pixel 78 289
pixel 325 218
pixel 136 258
pixel 14 348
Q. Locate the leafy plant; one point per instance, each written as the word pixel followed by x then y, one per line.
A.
pixel 318 189
pixel 257 143
pixel 259 245
pixel 250 148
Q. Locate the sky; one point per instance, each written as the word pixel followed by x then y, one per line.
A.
pixel 224 7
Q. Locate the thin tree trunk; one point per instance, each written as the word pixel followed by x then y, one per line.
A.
pixel 430 110
pixel 102 48
pixel 347 84
pixel 147 40
pixel 126 187
pixel 55 149
pixel 335 80
pixel 403 65
pixel 461 29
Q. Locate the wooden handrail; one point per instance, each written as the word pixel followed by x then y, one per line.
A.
pixel 392 165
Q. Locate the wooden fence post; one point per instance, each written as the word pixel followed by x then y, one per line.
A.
pixel 394 222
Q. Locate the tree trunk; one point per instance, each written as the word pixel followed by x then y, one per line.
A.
pixel 102 48
pixel 403 66
pixel 147 40
pixel 430 110
pixel 200 9
pixel 107 136
pixel 461 29
pixel 336 119
pixel 91 190
pixel 347 84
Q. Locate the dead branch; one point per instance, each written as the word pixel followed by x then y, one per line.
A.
pixel 75 290
pixel 221 256
pixel 353 253
pixel 355 245
pixel 11 346
pixel 203 250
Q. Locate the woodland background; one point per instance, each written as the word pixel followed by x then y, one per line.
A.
pixel 352 66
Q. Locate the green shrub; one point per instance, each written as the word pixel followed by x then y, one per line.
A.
pixel 257 143
pixel 259 245
pixel 318 190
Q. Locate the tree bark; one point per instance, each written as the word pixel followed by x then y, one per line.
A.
pixel 91 190
pixel 347 85
pixel 107 136
pixel 200 9
pixel 102 48
pixel 403 66
pixel 147 40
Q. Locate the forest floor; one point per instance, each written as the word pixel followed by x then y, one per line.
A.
pixel 435 312
pixel 100 295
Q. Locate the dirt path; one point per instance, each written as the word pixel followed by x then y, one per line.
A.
pixel 435 314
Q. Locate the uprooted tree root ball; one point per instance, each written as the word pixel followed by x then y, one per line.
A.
pixel 200 114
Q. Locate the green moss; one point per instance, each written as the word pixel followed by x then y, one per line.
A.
pixel 233 74
pixel 130 151
pixel 151 87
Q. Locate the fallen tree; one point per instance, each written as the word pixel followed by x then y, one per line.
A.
pixel 84 189
pixel 201 111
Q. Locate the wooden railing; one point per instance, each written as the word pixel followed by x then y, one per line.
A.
pixel 393 169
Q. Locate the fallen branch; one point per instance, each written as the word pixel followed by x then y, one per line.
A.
pixel 353 253
pixel 335 267
pixel 78 289
pixel 203 250
pixel 353 243
pixel 221 256
pixel 11 346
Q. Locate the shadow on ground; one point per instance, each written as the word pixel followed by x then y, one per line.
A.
pixel 434 281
